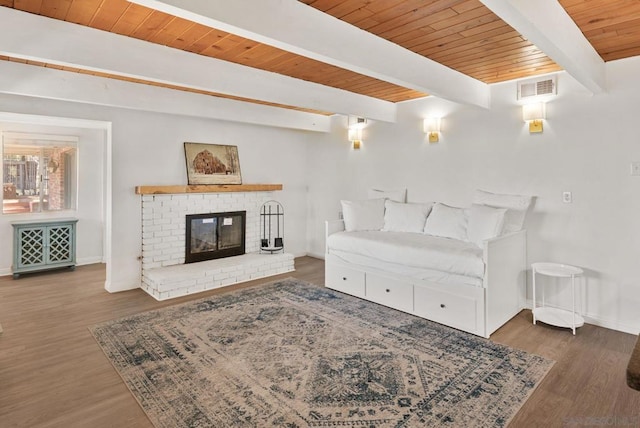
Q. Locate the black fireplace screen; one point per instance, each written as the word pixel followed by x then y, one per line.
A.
pixel 214 236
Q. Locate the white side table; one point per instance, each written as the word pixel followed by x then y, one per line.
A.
pixel 555 316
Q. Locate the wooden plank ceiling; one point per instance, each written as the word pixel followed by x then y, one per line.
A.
pixel 611 26
pixel 461 34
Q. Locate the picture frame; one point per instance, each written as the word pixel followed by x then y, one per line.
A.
pixel 212 163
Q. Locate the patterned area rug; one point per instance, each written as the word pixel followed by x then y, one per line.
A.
pixel 292 354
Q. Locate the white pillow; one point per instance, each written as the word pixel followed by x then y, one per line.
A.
pixel 399 195
pixel 405 217
pixel 363 215
pixel 484 223
pixel 516 205
pixel 448 222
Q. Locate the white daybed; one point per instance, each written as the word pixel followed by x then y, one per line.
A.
pixel 472 285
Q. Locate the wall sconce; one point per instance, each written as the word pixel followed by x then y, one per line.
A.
pixel 431 126
pixel 534 114
pixel 355 131
pixel 355 136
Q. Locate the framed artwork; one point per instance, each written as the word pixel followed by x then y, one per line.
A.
pixel 212 164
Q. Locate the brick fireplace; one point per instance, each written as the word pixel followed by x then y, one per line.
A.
pixel 164 272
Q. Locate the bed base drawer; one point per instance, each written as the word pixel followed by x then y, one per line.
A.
pixel 446 308
pixel 344 279
pixel 389 292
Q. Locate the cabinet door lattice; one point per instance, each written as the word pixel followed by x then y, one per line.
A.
pixel 32 248
pixel 59 243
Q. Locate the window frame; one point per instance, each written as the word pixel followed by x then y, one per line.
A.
pixel 41 142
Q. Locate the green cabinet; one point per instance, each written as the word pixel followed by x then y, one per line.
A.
pixel 43 245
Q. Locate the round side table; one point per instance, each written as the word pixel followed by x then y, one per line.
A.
pixel 555 316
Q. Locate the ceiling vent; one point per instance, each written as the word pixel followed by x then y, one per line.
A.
pixel 545 87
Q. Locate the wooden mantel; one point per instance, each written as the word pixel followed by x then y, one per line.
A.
pixel 206 188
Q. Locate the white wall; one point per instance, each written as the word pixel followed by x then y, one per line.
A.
pixel 89 243
pixel 147 148
pixel 586 148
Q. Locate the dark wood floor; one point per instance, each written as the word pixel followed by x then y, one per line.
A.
pixel 53 374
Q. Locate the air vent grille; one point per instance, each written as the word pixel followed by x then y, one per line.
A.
pixel 536 88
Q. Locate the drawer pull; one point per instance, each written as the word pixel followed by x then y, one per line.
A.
pixel 387 290
pixel 442 305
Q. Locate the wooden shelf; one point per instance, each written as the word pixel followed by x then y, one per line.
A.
pixel 206 188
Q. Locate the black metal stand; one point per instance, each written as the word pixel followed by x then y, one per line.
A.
pixel 272 227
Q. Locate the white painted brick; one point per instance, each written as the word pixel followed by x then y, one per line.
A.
pixel 195 289
pixel 151 266
pixel 223 276
pixel 203 281
pixel 173 253
pixel 170 226
pixel 243 277
pixel 173 208
pixel 228 281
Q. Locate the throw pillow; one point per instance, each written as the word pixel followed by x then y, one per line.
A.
pixel 363 215
pixel 484 223
pixel 446 221
pixel 516 205
pixel 399 195
pixel 405 217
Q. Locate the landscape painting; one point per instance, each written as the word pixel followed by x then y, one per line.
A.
pixel 212 164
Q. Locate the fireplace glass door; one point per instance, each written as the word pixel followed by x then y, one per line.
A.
pixel 214 235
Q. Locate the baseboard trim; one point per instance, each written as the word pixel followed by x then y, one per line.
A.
pixel 80 262
pixel 603 322
pixel 88 261
pixel 316 255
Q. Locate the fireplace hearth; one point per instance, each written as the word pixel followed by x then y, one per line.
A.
pixel 214 235
pixel 165 275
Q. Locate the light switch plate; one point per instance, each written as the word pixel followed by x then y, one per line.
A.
pixel 567 197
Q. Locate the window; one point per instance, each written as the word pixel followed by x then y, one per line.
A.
pixel 39 172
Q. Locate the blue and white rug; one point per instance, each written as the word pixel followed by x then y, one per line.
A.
pixel 292 354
